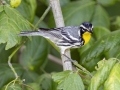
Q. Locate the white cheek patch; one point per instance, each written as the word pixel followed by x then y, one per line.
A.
pixel 79 32
pixel 92 27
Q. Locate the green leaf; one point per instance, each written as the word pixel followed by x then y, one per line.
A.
pixel 64 2
pixel 29 76
pixel 6 74
pixel 116 23
pixel 58 77
pixel 41 24
pixel 34 86
pixel 1 8
pixel 68 80
pixel 114 52
pixel 102 74
pixel 106 2
pixel 14 87
pixel 46 82
pixel 28 8
pixel 92 55
pixel 78 12
pixel 11 24
pixel 113 81
pixel 100 32
pixel 4 54
pixel 35 53
pixel 113 10
pixel 100 17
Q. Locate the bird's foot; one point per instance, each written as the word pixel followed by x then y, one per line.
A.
pixel 69 59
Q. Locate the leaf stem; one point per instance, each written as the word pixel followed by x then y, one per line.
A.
pixel 42 17
pixel 10 65
pixel 82 68
pixel 10 83
pixel 9 62
pixel 28 86
pixel 9 59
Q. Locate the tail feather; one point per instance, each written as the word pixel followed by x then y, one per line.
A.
pixel 36 33
pixel 31 33
pixel 46 33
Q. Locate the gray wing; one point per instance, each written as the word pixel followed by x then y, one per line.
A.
pixel 71 37
pixel 54 32
pixel 71 33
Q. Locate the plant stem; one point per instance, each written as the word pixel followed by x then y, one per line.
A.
pixel 9 62
pixel 43 16
pixel 9 59
pixel 56 9
pixel 79 66
pixel 28 86
pixel 82 68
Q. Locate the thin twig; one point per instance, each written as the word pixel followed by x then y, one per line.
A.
pixel 28 86
pixel 10 57
pixel 9 62
pixel 56 9
pixel 10 83
pixel 55 59
pixel 79 66
pixel 43 16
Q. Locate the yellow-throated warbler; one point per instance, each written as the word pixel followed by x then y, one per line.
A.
pixel 65 37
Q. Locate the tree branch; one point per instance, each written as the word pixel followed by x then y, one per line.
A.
pixel 67 65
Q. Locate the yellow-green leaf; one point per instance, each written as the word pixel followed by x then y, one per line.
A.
pixel 113 81
pixel 101 75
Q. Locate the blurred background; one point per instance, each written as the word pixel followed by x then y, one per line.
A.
pixel 38 56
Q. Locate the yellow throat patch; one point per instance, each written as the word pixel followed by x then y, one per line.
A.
pixel 86 36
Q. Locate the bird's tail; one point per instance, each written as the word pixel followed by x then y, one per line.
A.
pixel 41 32
pixel 29 33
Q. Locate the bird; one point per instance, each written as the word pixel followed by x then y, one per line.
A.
pixel 65 37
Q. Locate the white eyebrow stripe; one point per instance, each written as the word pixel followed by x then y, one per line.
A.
pixel 84 27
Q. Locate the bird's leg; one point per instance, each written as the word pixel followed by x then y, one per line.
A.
pixel 62 49
pixel 69 59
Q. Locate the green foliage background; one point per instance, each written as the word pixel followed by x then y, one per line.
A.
pixel 31 62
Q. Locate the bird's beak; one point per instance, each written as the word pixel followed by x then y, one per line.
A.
pixel 91 30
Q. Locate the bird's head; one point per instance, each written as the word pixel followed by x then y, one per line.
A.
pixel 86 27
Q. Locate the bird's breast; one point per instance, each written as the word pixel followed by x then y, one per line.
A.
pixel 86 37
